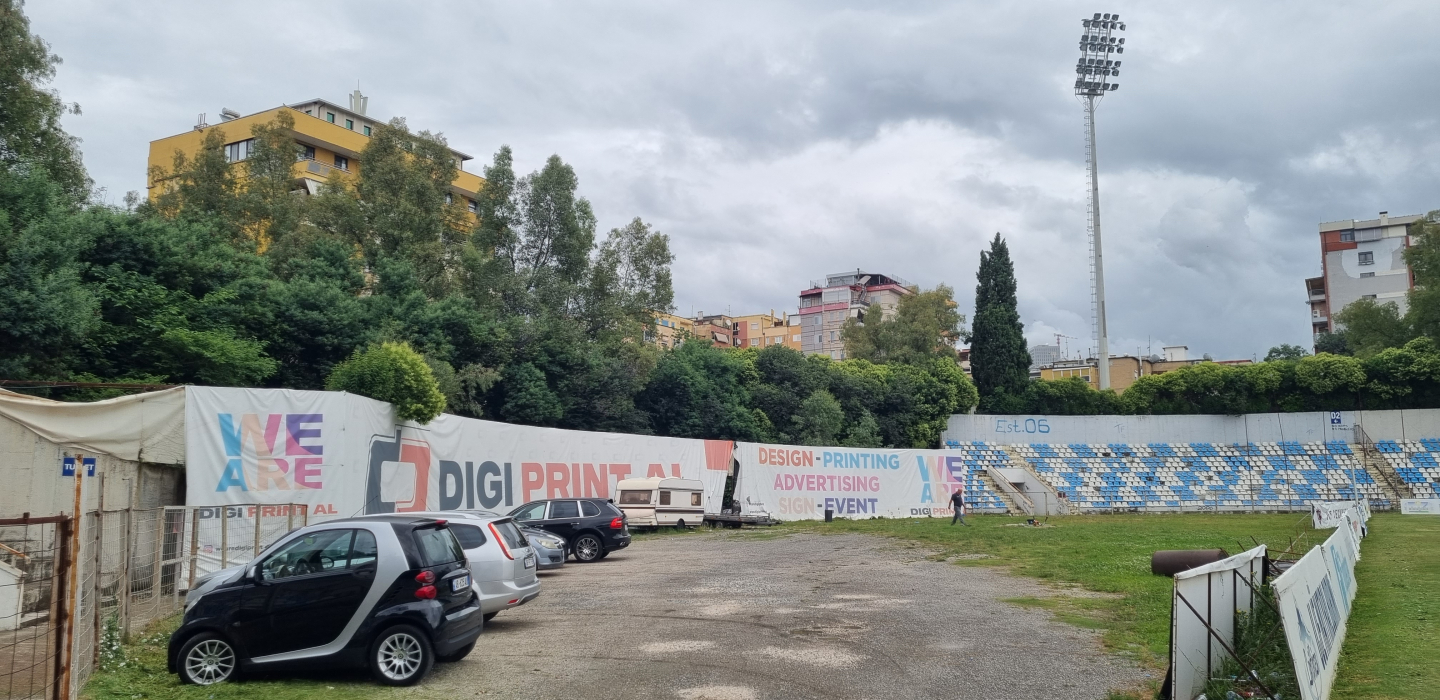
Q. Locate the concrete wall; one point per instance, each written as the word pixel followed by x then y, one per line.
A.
pixel 1255 427
pixel 30 467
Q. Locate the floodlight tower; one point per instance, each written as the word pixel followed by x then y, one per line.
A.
pixel 1100 47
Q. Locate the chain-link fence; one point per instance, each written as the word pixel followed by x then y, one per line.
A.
pixel 134 567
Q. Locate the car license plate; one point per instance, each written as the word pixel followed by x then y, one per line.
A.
pixel 459 583
pixel 530 560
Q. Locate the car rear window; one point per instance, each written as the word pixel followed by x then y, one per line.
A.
pixel 611 509
pixel 634 498
pixel 437 546
pixel 512 534
pixel 589 509
pixel 470 536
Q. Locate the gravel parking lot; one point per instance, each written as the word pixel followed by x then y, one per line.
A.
pixel 746 615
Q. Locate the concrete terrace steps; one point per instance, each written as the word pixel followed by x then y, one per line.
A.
pixel 1010 506
pixel 1383 472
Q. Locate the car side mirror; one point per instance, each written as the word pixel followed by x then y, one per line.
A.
pixel 254 575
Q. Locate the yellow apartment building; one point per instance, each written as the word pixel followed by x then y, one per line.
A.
pixel 763 330
pixel 331 138
pixel 671 330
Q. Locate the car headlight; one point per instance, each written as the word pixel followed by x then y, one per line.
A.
pixel 552 543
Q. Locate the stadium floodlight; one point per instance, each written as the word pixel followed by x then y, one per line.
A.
pixel 1100 51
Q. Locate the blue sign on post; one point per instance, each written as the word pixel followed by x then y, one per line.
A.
pixel 89 463
pixel 67 466
pixel 1335 418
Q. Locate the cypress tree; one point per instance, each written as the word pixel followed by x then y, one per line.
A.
pixel 999 360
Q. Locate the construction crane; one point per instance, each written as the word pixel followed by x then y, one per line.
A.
pixel 1058 336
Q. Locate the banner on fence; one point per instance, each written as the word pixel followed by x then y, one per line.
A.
pixel 1314 597
pixel 800 483
pixel 1327 514
pixel 1420 506
pixel 1207 598
pixel 343 455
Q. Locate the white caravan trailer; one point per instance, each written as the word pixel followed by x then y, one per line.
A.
pixel 657 502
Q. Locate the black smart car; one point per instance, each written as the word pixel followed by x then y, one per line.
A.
pixel 591 527
pixel 391 594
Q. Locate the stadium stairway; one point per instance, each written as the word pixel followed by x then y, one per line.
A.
pixel 1386 475
pixel 989 481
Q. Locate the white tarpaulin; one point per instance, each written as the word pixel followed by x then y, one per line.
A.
pixel 1420 506
pixel 800 483
pixel 1216 592
pixel 147 427
pixel 343 455
pixel 1314 597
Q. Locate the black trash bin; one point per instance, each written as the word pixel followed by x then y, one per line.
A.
pixel 829 514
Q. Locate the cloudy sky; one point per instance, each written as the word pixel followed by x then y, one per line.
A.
pixel 777 142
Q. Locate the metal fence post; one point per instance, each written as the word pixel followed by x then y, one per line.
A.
pixel 257 530
pixel 126 553
pixel 60 609
pixel 224 537
pixel 155 579
pixel 194 545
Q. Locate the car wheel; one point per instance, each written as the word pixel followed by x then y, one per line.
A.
pixel 401 655
pixel 490 616
pixel 458 654
pixel 588 548
pixel 207 659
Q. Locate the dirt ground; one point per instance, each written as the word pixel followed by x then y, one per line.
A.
pixel 739 616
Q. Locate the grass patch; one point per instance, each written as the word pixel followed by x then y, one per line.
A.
pixel 137 672
pixel 1392 644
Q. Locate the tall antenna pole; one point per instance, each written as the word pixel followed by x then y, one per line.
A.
pixel 1096 64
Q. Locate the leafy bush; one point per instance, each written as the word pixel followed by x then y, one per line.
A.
pixel 395 374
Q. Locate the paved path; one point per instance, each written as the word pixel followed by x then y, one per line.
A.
pixel 738 616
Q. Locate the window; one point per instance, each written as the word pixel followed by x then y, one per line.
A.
pixel 664 498
pixel 588 509
pixel 437 546
pixel 342 162
pixel 535 512
pixel 834 336
pixel 470 536
pixel 308 112
pixel 695 498
pixel 610 509
pixel 564 509
pixel 330 117
pixel 1367 274
pixel 1347 236
pixel 794 338
pixel 238 151
pixel 307 152
pixel 1367 258
pixel 350 124
pixel 819 339
pixel 470 205
pixel 327 550
pixel 754 342
pixel 754 326
pixel 511 533
pixel 364 551
pixel 634 498
pixel 449 198
pixel 367 131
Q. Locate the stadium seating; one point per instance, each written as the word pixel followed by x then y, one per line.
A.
pixel 1177 476
pixel 1415 462
pixel 978 455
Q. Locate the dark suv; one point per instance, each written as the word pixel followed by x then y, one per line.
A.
pixel 392 594
pixel 591 527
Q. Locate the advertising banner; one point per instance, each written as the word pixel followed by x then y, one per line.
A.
pixel 800 483
pixel 344 455
pixel 1420 506
pixel 1315 596
pixel 1209 595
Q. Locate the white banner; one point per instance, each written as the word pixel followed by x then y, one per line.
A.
pixel 1315 596
pixel 1327 514
pixel 1216 593
pixel 1420 506
pixel 800 483
pixel 344 455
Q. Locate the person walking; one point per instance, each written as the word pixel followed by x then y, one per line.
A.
pixel 957 502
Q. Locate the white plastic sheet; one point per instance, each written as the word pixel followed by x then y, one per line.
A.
pixel 147 427
pixel 1216 592
pixel 1315 596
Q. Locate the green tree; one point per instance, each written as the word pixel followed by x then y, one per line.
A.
pixel 1333 343
pixel 395 374
pixel 629 282
pixel 820 420
pixel 1371 327
pixel 1285 351
pixel 698 391
pixel 999 359
pixel 30 132
pixel 924 325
